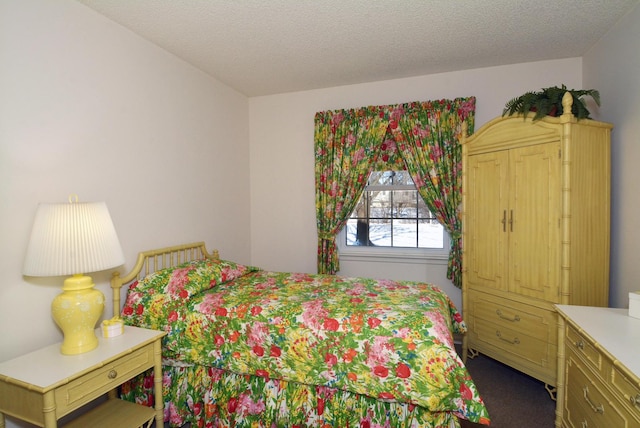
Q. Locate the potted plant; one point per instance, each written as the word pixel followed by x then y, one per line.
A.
pixel 548 102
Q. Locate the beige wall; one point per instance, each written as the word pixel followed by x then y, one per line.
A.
pixel 88 107
pixel 613 67
pixel 283 224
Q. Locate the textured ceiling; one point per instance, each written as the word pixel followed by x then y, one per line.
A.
pixel 262 47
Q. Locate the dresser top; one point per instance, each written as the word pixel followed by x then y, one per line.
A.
pixel 613 329
pixel 47 367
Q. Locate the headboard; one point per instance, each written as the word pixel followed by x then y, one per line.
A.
pixel 153 260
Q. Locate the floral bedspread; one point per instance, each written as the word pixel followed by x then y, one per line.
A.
pixel 388 340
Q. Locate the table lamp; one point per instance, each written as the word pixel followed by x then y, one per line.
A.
pixel 74 239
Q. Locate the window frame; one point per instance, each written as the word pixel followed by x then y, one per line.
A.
pixel 387 254
pixel 392 254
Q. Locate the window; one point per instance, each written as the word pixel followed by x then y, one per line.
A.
pixel 392 214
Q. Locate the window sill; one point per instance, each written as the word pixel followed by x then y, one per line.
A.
pixel 393 256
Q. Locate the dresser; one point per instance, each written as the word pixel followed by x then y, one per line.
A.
pixel 535 218
pixel 599 357
pixel 45 385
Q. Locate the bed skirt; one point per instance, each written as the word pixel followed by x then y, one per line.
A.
pixel 209 397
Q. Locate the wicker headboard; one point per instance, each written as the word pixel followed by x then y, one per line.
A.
pixel 154 260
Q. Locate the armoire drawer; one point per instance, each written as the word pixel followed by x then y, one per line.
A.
pixel 515 341
pixel 526 319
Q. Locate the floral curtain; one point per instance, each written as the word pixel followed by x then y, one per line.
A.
pixel 346 148
pixel 422 137
pixel 427 135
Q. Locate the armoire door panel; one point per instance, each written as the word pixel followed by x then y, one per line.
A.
pixel 534 221
pixel 487 242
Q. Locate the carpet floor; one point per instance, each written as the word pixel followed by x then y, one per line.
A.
pixel 513 399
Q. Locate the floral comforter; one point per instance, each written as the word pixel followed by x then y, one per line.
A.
pixel 388 340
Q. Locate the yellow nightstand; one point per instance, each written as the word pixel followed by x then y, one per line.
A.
pixel 44 385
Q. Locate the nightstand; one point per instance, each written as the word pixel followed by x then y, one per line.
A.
pixel 44 385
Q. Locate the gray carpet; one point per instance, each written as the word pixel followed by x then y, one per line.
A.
pixel 513 399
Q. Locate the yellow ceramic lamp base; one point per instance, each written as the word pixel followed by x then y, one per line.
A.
pixel 76 311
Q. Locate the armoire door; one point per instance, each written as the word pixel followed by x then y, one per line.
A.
pixel 534 221
pixel 486 211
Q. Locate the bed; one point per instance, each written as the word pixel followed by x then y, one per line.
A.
pixel 247 347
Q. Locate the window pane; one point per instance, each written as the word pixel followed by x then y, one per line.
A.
pixel 431 234
pixel 380 178
pixel 380 205
pixel 405 233
pixel 350 231
pixel 380 232
pixel 405 204
pixel 402 178
pixel 360 210
pixel 423 211
pixel 358 232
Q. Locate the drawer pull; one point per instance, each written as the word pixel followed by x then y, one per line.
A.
pixel 580 345
pixel 635 401
pixel 515 341
pixel 515 318
pixel 596 409
pixel 112 374
pixel 584 424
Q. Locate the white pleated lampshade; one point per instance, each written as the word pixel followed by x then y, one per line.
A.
pixel 72 238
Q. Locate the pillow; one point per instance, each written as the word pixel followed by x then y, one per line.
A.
pixel 187 279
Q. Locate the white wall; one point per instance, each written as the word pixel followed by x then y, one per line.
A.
pixel 88 107
pixel 282 178
pixel 613 67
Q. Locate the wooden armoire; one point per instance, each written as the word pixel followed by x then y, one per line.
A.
pixel 536 203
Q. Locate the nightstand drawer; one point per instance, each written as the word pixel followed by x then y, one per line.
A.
pixel 97 382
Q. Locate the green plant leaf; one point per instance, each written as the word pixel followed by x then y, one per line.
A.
pixel 547 100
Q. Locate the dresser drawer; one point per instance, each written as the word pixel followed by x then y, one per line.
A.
pixel 627 390
pixel 97 382
pixel 575 415
pixel 583 347
pixel 588 399
pixel 536 322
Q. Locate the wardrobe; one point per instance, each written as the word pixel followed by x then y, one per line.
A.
pixel 535 218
